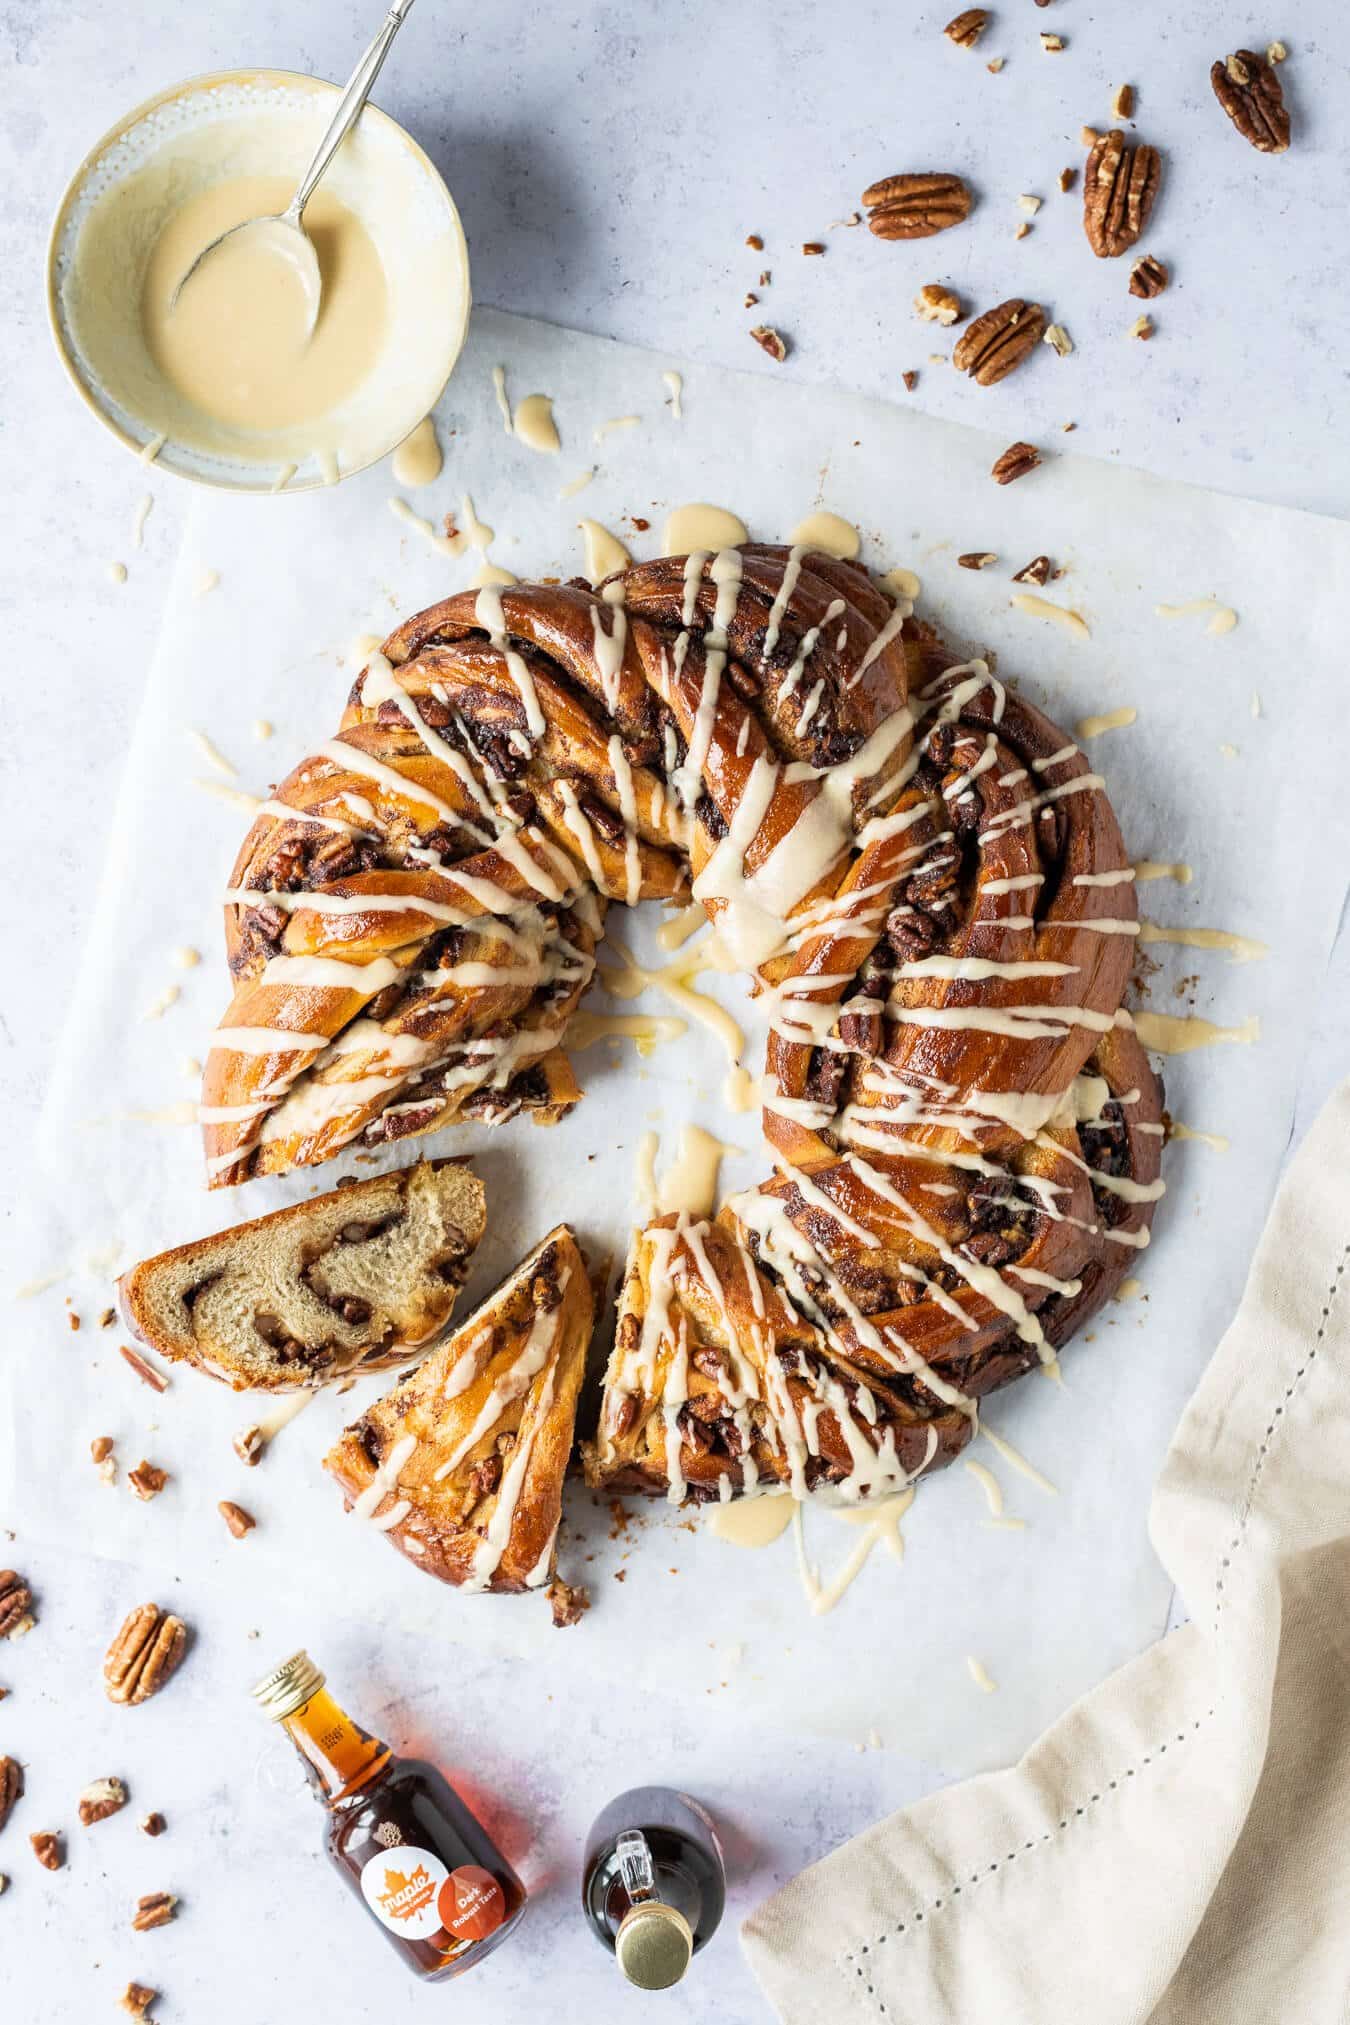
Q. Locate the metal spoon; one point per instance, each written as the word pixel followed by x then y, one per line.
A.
pixel 284 232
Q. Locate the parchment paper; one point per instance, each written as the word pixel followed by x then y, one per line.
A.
pixel 1047 1610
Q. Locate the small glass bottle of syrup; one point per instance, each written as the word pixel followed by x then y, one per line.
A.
pixel 653 1883
pixel 406 1844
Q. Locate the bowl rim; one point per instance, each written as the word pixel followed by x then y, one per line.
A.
pixel 200 81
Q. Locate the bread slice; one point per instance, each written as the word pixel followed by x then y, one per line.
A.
pixel 461 1464
pixel 351 1281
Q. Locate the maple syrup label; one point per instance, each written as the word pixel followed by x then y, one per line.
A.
pixel 471 1903
pixel 402 1887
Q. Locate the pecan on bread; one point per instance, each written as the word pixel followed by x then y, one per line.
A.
pixel 353 1280
pixel 461 1464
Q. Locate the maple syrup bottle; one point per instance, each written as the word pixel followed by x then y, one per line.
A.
pixel 403 1839
pixel 653 1883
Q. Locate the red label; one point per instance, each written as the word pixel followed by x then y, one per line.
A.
pixel 471 1903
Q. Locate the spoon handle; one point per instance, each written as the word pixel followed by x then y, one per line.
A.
pixel 359 87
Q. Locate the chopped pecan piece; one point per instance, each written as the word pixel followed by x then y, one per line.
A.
pixel 236 1518
pixel 1122 102
pixel 996 343
pixel 145 1654
pixel 1142 327
pixel 1276 53
pixel 976 559
pixel 915 206
pixel 1052 44
pixel 813 246
pixel 11 1787
pixel 770 341
pixel 910 381
pixel 156 1909
pixel 1037 571
pixel 248 1445
pixel 136 1999
pixel 48 1849
pixel 569 1602
pixel 1250 93
pixel 1067 178
pixel 101 1447
pixel 147 1479
pixel 16 1604
pixel 1016 461
pixel 1120 188
pixel 755 243
pixel 104 1797
pixel 1058 339
pixel 965 29
pixel 153 1824
pixel 1148 277
pixel 149 1374
pixel 936 304
pixel 750 300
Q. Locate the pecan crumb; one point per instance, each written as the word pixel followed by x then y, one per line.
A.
pixel 147 1480
pixel 814 246
pixel 1017 460
pixel 1142 327
pixel 73 1320
pixel 104 1797
pixel 137 1999
pixel 1058 339
pixel 750 299
pixel 156 1909
pixel 236 1518
pixel 966 28
pixel 1122 102
pixel 911 381
pixel 1052 44
pixel 1031 205
pixel 1276 53
pixel 755 243
pixel 1088 136
pixel 936 304
pixel 765 278
pixel 770 340
pixel 107 1318
pixel 1037 571
pixel 994 65
pixel 976 559
pixel 148 1373
pixel 16 1604
pixel 48 1849
pixel 1022 230
pixel 1148 277
pixel 153 1824
pixel 1067 178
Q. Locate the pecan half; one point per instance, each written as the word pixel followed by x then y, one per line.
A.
pixel 1148 277
pixel 236 1518
pixel 915 206
pixel 1037 571
pixel 976 559
pixel 1016 461
pixel 771 341
pixel 936 304
pixel 997 342
pixel 1120 188
pixel 48 1849
pixel 965 29
pixel 146 1652
pixel 147 1479
pixel 1250 93
pixel 104 1797
pixel 136 1999
pixel 11 1787
pixel 156 1909
pixel 16 1604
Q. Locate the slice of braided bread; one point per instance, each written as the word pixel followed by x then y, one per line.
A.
pixel 461 1464
pixel 354 1280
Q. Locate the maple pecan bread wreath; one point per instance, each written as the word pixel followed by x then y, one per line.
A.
pixel 918 868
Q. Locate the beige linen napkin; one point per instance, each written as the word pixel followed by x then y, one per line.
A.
pixel 1177 1847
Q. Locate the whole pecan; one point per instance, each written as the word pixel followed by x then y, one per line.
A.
pixel 915 206
pixel 996 343
pixel 1016 461
pixel 966 28
pixel 1250 93
pixel 11 1787
pixel 16 1604
pixel 156 1909
pixel 1120 187
pixel 104 1797
pixel 1148 277
pixel 146 1652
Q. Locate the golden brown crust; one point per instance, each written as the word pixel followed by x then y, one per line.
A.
pixel 461 1465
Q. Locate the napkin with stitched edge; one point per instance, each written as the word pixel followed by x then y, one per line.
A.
pixel 1177 1846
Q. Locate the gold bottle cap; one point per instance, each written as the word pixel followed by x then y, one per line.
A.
pixel 288 1687
pixel 653 1945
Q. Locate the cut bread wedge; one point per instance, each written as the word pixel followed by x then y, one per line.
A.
pixel 356 1280
pixel 461 1463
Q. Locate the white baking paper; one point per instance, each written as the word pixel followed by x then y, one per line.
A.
pixel 1234 766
